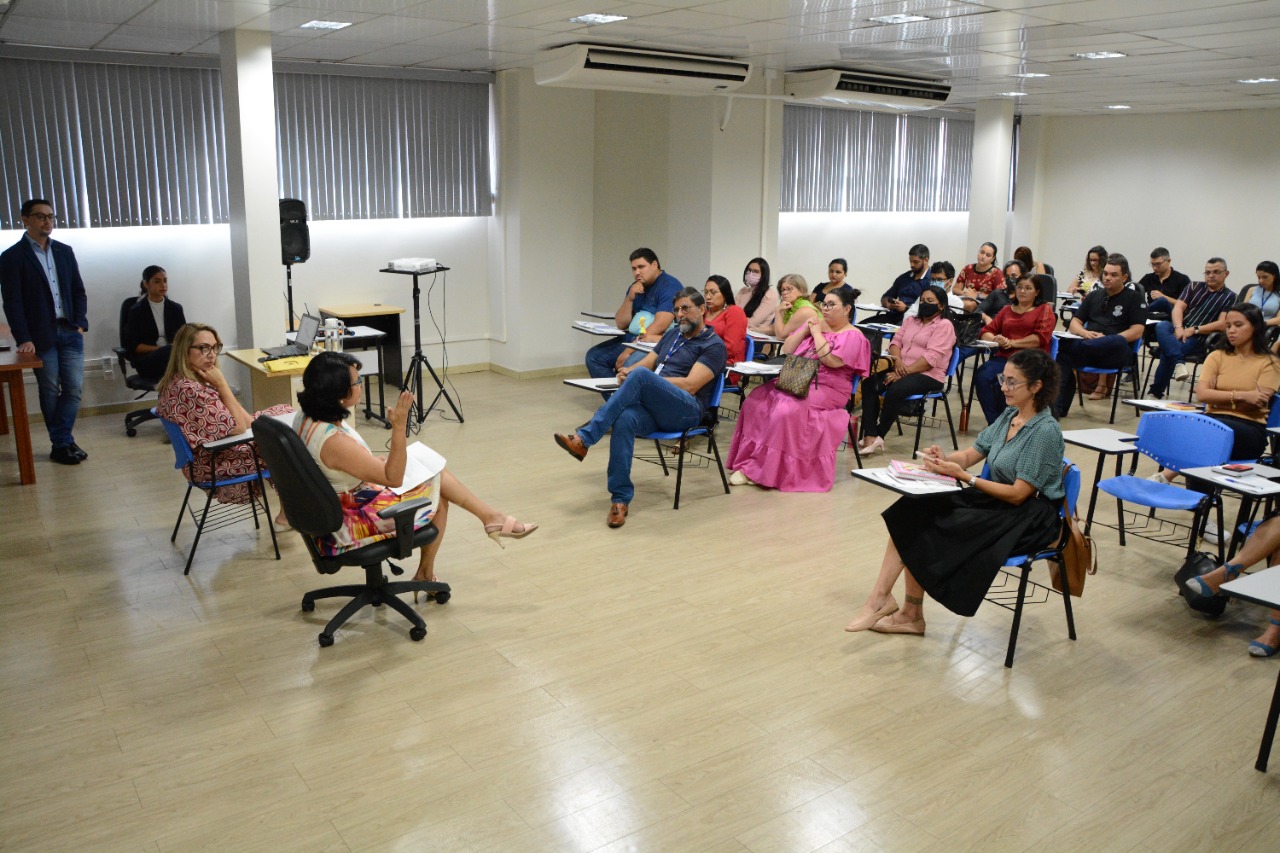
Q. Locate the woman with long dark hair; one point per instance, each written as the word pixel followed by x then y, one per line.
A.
pixel 759 301
pixel 725 319
pixel 1266 293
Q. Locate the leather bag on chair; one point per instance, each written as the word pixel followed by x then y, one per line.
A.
pixel 1079 555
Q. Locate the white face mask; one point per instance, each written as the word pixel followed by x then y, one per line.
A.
pixel 751 278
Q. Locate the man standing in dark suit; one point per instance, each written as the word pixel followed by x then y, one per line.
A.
pixel 45 303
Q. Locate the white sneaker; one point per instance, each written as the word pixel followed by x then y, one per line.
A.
pixel 1158 477
pixel 1180 373
pixel 1211 533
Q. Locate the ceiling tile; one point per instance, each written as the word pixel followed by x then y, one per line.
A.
pixel 46 33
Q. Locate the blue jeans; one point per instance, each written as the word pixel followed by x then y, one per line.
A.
pixel 1172 352
pixel 1161 304
pixel 60 381
pixel 602 359
pixel 644 403
pixel 1109 351
pixel 986 384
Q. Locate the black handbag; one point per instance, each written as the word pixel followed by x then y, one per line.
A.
pixel 968 327
pixel 798 375
pixel 1196 565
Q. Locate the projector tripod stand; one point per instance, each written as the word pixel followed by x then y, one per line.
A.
pixel 413 375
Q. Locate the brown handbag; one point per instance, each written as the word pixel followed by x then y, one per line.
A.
pixel 1079 554
pixel 798 375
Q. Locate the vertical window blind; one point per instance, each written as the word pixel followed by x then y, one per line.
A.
pixel 123 145
pixel 375 148
pixel 841 160
pixel 112 145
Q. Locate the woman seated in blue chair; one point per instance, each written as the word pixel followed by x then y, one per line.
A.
pixel 331 389
pixel 196 397
pixel 151 324
pixel 952 544
pixel 788 443
pixel 1025 323
pixel 920 353
pixel 1262 544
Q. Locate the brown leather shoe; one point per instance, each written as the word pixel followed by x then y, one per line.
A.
pixel 572 445
pixel 617 512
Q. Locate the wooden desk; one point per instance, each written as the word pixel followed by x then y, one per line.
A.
pixel 384 318
pixel 266 388
pixel 12 363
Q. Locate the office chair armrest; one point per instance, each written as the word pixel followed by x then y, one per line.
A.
pixel 122 357
pixel 404 514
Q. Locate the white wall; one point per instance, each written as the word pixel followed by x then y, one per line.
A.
pixel 1201 184
pixel 874 244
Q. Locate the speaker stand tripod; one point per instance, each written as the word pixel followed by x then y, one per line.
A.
pixel 288 289
pixel 413 376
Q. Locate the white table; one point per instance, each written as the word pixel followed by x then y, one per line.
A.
pixel 911 488
pixel 1261 588
pixel 1106 442
pixel 600 315
pixel 605 330
pixel 607 383
pixel 1253 485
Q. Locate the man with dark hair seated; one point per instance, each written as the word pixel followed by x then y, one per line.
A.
pixel 668 390
pixel 1163 284
pixel 906 288
pixel 645 313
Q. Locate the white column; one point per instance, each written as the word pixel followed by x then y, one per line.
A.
pixel 258 276
pixel 989 192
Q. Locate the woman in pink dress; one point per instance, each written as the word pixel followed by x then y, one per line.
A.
pixel 197 397
pixel 788 443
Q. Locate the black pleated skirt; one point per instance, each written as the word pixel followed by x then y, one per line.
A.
pixel 954 543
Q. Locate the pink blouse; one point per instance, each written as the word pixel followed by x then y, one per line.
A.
pixel 932 341
pixel 761 320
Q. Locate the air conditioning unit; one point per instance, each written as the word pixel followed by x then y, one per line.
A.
pixel 867 90
pixel 586 66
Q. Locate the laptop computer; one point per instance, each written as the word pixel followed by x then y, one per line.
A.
pixel 308 326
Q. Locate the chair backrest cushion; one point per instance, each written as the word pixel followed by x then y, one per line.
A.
pixel 1181 440
pixel 124 315
pixel 309 501
pixel 182 455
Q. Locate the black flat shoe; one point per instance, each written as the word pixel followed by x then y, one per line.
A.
pixel 64 456
pixel 78 452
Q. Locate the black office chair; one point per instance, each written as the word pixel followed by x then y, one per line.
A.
pixel 137 382
pixel 312 507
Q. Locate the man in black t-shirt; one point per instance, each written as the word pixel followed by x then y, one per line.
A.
pixel 669 390
pixel 1163 284
pixel 1108 322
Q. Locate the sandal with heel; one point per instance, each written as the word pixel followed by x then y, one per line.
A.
pixel 507 530
pixel 1259 649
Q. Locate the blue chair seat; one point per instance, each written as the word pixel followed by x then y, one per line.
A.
pixel 707 427
pixel 1150 494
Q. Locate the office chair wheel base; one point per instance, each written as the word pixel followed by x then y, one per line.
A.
pixel 131 432
pixel 442 597
pixel 415 634
pixel 307 607
pixel 326 640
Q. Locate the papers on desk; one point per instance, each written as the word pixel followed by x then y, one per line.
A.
pixel 1062 294
pixel 643 346
pixel 601 328
pixel 286 419
pixel 983 344
pixel 608 383
pixel 762 337
pixel 886 328
pixel 1067 336
pixel 423 463
pixel 883 477
pixel 1164 405
pixel 284 365
pixel 867 306
pixel 756 368
pixel 1245 483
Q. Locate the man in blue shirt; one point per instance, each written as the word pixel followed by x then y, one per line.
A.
pixel 906 288
pixel 669 390
pixel 44 300
pixel 645 313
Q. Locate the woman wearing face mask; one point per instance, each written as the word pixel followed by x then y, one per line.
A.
pixel 920 352
pixel 837 270
pixel 758 300
pixel 725 319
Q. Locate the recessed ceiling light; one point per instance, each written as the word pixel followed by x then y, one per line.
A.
pixel 1011 94
pixel 1119 107
pixel 325 25
pixel 1260 80
pixel 1100 54
pixel 1028 75
pixel 595 18
pixel 898 19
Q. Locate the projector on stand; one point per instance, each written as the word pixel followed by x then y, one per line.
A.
pixel 413 265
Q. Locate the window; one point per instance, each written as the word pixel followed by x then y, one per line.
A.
pixel 846 160
pixel 112 145
pixel 373 148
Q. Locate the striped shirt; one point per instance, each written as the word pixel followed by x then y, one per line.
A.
pixel 1204 305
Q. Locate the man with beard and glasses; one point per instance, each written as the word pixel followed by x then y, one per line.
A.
pixel 669 390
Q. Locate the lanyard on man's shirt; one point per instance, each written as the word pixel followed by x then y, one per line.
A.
pixel 680 341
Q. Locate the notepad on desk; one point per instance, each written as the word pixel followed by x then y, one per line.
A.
pixel 284 365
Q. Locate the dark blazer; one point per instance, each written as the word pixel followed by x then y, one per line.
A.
pixel 140 324
pixel 28 302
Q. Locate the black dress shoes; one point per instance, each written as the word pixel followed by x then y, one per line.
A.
pixel 78 452
pixel 64 456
